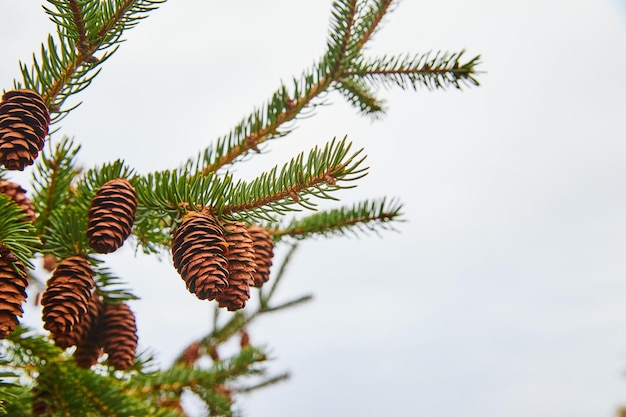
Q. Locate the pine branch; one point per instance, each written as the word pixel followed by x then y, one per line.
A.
pixel 340 49
pixel 54 172
pixel 67 233
pixel 18 236
pixel 68 64
pixel 438 71
pixel 321 173
pixel 359 95
pixel 363 217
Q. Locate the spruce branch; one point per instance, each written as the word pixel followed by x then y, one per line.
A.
pixel 433 71
pixel 18 237
pixel 358 94
pixel 319 174
pixel 67 233
pixel 362 217
pixel 68 63
pixel 54 172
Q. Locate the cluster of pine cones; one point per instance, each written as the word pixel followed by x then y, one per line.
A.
pixel 217 262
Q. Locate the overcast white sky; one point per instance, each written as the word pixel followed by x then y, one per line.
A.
pixel 504 295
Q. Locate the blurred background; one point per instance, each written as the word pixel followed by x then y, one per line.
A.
pixel 503 293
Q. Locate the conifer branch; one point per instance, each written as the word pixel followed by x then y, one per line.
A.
pixel 441 70
pixel 17 235
pixel 54 172
pixel 68 64
pixel 278 192
pixel 359 95
pixel 363 217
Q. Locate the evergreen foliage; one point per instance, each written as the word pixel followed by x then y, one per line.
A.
pixel 36 377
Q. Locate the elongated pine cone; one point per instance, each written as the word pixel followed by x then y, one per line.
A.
pixel 264 252
pixel 24 121
pixel 18 194
pixel 111 215
pixel 67 296
pixel 119 335
pixel 241 267
pixel 12 294
pixel 199 253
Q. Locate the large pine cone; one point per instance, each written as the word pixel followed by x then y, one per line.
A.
pixel 119 335
pixel 111 215
pixel 199 254
pixel 18 194
pixel 67 296
pixel 24 121
pixel 241 267
pixel 12 294
pixel 264 252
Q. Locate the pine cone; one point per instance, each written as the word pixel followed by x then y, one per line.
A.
pixel 111 215
pixel 12 295
pixel 119 335
pixel 241 267
pixel 264 252
pixel 24 120
pixel 199 255
pixel 67 296
pixel 18 194
pixel 88 347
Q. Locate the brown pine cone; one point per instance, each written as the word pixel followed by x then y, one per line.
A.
pixel 111 215
pixel 67 296
pixel 24 121
pixel 12 294
pixel 18 194
pixel 241 267
pixel 119 335
pixel 199 254
pixel 264 252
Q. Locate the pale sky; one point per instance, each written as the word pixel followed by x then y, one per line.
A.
pixel 504 293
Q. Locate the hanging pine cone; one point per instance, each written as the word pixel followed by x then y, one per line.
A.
pixel 24 120
pixel 241 267
pixel 119 335
pixel 88 347
pixel 67 296
pixel 12 294
pixel 199 254
pixel 18 194
pixel 111 215
pixel 264 252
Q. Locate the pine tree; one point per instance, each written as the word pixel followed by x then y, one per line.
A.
pixel 219 231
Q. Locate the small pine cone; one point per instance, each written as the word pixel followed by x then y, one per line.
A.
pixel 264 252
pixel 119 335
pixel 24 121
pixel 67 296
pixel 191 354
pixel 111 215
pixel 199 254
pixel 88 348
pixel 12 294
pixel 241 267
pixel 18 194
